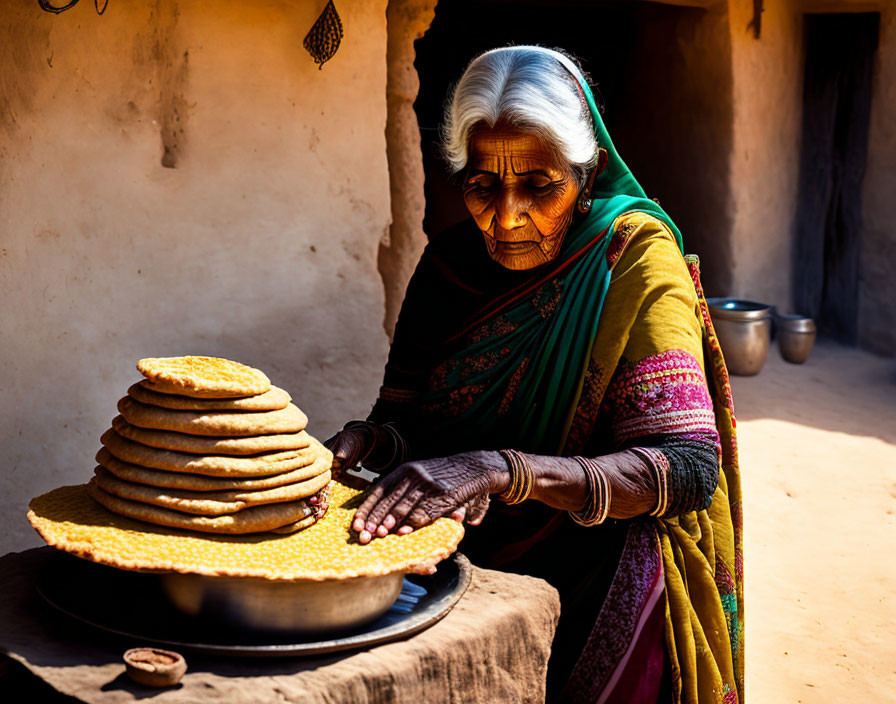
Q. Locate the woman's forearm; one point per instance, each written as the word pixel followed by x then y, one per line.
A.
pixel 693 473
pixel 421 491
pixel 560 483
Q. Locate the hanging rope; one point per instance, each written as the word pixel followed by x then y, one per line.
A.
pixel 48 6
pixel 325 35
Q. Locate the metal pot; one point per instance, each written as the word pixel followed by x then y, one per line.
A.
pixel 300 606
pixel 796 336
pixel 744 329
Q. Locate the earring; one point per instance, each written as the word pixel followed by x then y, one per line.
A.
pixel 585 205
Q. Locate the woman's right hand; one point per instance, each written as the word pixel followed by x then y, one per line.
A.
pixel 350 446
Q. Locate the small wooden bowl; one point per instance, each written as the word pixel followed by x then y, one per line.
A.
pixel 154 667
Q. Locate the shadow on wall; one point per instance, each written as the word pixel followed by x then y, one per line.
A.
pixel 664 76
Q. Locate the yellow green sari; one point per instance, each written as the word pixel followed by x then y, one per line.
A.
pixel 453 384
pixel 600 350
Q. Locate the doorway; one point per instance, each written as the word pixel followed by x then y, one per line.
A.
pixel 662 72
pixel 840 52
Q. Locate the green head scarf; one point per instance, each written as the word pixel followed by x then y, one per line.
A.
pixel 615 190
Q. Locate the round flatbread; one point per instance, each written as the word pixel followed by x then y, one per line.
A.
pixel 218 423
pixel 298 525
pixel 198 445
pixel 319 509
pixel 183 481
pixel 202 377
pixel 209 465
pixel 253 520
pixel 68 519
pixel 272 400
pixel 208 503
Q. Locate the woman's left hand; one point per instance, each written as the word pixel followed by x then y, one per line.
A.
pixel 417 493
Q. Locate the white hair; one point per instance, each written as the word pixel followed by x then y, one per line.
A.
pixel 527 87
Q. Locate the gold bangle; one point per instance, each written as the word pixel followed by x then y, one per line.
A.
pixel 662 479
pixel 522 478
pixel 662 469
pixel 598 494
pixel 659 464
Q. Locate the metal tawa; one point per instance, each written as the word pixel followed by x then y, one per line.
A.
pixel 132 605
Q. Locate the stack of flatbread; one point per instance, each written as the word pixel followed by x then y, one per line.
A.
pixel 210 445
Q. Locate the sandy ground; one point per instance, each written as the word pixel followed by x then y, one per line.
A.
pixel 818 456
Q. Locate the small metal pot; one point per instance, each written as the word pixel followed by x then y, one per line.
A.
pixel 744 329
pixel 796 336
pixel 300 606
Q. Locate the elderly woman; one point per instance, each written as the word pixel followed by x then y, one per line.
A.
pixel 550 354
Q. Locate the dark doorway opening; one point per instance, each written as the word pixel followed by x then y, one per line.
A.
pixel 664 77
pixel 836 113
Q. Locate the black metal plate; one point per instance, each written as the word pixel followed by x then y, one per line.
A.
pixel 131 605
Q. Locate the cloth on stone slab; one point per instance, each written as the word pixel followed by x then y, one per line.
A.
pixel 493 646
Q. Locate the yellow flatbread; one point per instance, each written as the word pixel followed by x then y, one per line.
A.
pixel 198 445
pixel 319 508
pixel 218 423
pixel 70 520
pixel 208 503
pixel 184 481
pixel 211 465
pixel 297 526
pixel 272 400
pixel 253 520
pixel 202 377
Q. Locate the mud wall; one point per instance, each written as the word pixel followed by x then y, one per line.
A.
pixel 877 282
pixel 677 135
pixel 768 80
pixel 178 177
pixel 407 21
pixel 765 160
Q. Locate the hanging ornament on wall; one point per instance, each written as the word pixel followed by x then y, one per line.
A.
pixel 48 6
pixel 756 22
pixel 325 35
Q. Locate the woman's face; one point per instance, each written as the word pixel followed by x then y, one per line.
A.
pixel 520 195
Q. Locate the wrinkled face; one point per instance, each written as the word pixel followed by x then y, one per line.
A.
pixel 520 195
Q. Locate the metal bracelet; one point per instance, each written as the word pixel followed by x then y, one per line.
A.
pixel 399 451
pixel 399 445
pixel 522 477
pixel 598 494
pixel 659 464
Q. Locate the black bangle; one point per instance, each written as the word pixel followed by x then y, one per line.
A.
pixel 368 427
pixel 399 450
pixel 399 445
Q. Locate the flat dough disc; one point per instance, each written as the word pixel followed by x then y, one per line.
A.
pixel 272 400
pixel 253 520
pixel 319 509
pixel 67 518
pixel 219 423
pixel 298 525
pixel 198 445
pixel 210 465
pixel 202 377
pixel 208 503
pixel 183 481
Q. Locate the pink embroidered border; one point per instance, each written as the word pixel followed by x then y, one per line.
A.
pixel 664 394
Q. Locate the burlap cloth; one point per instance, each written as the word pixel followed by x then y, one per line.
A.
pixel 493 647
